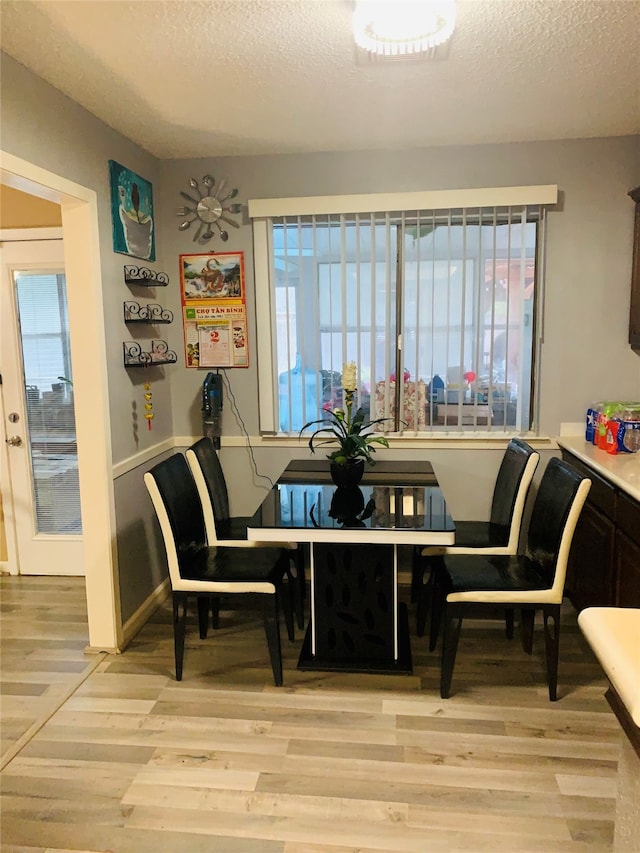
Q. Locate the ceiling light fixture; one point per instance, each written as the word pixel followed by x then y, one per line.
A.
pixel 403 27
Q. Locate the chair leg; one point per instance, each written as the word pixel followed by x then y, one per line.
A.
pixel 508 622
pixel 272 631
pixel 424 595
pixel 179 629
pixel 287 593
pixel 204 603
pixel 551 614
pixel 527 620
pixel 287 598
pixel 215 610
pixel 438 601
pixel 417 570
pixel 452 626
pixel 299 587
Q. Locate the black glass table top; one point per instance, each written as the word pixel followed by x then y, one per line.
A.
pixel 321 506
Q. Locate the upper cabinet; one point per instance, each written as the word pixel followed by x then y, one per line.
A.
pixel 634 311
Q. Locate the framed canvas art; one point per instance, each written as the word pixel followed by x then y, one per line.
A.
pixel 218 275
pixel 131 213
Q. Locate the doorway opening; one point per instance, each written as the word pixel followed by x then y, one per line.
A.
pixel 88 352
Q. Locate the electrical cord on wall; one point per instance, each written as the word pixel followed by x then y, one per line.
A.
pixel 236 411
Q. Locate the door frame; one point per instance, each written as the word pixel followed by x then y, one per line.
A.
pixel 81 240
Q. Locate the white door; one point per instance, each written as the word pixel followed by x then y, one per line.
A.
pixel 40 489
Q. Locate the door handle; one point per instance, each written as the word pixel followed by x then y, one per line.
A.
pixel 14 441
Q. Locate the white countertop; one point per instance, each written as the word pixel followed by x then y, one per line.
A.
pixel 622 469
pixel 614 635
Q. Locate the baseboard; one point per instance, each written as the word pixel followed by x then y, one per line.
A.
pixel 144 612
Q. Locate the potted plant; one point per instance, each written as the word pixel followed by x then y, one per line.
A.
pixel 352 433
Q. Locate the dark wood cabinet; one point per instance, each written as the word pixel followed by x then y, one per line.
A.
pixel 604 563
pixel 590 578
pixel 628 572
pixel 627 552
pixel 634 310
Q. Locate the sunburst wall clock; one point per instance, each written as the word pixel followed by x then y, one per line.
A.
pixel 210 207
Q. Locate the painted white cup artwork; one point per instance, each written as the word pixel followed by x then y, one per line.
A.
pixel 131 213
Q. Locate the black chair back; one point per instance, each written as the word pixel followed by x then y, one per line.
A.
pixel 180 496
pixel 547 526
pixel 508 481
pixel 216 484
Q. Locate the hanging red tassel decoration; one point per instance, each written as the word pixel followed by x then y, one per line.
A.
pixel 148 405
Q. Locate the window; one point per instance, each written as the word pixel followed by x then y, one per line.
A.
pixel 42 306
pixel 441 298
pixel 41 301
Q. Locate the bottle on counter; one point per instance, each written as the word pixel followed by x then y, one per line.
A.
pixel 607 410
pixel 592 417
pixel 628 434
pixel 611 433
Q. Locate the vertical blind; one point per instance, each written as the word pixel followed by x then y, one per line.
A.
pixel 436 307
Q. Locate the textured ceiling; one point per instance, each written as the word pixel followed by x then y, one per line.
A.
pixel 196 78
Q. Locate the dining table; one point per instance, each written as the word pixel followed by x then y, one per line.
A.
pixel 355 536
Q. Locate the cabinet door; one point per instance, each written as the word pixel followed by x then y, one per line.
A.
pixel 591 560
pixel 628 552
pixel 628 571
pixel 634 311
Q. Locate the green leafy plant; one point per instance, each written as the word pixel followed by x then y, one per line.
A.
pixel 351 431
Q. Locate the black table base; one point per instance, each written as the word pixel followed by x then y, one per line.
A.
pixel 375 666
pixel 355 606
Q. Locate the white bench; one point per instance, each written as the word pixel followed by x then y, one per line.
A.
pixel 614 635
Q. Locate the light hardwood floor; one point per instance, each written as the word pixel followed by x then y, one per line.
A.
pixel 110 753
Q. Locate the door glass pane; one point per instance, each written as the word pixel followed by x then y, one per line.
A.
pixel 41 300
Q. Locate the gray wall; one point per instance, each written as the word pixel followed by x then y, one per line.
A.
pixel 42 126
pixel 589 245
pixel 585 355
pixel 141 557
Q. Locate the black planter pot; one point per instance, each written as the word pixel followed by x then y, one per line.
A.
pixel 349 474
